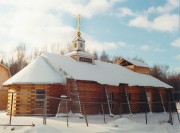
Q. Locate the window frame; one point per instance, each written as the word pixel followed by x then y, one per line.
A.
pixel 40 98
pixel 83 59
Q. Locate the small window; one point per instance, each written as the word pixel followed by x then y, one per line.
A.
pixel 85 59
pixel 40 94
pixel 40 98
pixel 81 45
pixel 75 45
pixel 39 104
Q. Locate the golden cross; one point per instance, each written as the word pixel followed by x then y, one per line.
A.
pixel 78 26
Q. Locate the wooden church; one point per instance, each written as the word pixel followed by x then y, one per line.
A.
pixel 86 83
pixel 4 75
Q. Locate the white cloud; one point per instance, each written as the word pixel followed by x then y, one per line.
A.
pixel 159 50
pixel 178 56
pixel 176 43
pixel 87 8
pixel 94 45
pixel 38 23
pixel 124 11
pixel 122 44
pixel 164 23
pixel 145 47
pixel 141 22
pixel 150 47
pixel 168 7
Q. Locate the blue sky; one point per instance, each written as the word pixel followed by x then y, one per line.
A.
pixel 145 28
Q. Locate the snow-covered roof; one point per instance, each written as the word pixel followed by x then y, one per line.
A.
pixel 81 53
pixel 102 72
pixel 135 62
pixel 37 72
pixel 48 68
pixel 79 38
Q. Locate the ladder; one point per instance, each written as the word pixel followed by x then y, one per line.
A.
pixel 74 104
pixel 148 101
pixel 62 110
pixel 127 98
pixel 108 102
pixel 162 102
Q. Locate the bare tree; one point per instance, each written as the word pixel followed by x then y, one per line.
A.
pixel 160 72
pixel 104 57
pixel 138 59
pixel 56 48
pixel 95 55
pixel 116 58
pixel 69 48
pixel 35 54
pixel 19 61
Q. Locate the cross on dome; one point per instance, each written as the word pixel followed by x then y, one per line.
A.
pixel 78 26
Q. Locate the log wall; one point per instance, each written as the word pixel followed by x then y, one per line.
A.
pixel 139 69
pixel 92 95
pixel 25 101
pixel 155 99
pixel 4 75
pixel 137 95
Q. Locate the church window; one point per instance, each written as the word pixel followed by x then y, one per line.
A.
pixel 85 59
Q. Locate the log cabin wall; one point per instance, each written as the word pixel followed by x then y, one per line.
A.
pixel 171 99
pixel 167 96
pixel 136 96
pixel 94 92
pixel 115 97
pixel 155 99
pixel 90 91
pixel 139 69
pixel 4 75
pixel 25 100
pixel 55 91
pixel 164 94
pixel 143 70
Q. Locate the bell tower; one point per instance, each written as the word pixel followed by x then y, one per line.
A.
pixel 78 42
pixel 79 54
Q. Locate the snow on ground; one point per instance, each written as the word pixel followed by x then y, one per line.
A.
pixel 157 123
